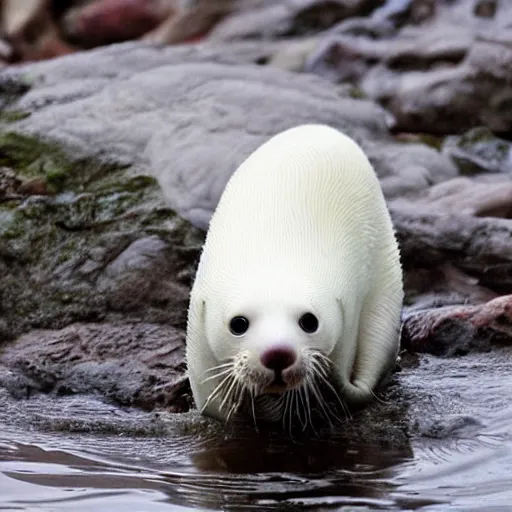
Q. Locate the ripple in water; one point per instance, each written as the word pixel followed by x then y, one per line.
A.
pixel 459 457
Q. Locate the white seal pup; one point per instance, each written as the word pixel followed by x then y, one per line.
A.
pixel 299 283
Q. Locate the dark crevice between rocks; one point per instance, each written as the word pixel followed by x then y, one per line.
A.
pixel 412 62
pixel 11 89
pixel 322 15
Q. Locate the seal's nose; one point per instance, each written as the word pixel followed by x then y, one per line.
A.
pixel 278 358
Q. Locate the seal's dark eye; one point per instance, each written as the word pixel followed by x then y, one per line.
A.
pixel 238 325
pixel 308 322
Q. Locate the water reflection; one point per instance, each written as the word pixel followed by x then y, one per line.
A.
pixel 236 472
pixel 264 469
pixel 81 455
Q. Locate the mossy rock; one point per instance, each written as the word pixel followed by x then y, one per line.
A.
pixel 58 248
pixel 479 151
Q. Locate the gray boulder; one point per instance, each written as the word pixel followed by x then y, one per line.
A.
pixel 190 122
pixel 444 74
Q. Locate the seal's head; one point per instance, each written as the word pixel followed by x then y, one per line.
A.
pixel 272 343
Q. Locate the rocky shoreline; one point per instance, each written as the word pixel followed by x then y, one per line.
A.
pixel 112 161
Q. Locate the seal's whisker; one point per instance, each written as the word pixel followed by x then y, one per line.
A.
pixel 164 385
pixel 308 407
pixel 382 401
pixel 231 411
pixel 219 367
pixel 216 376
pixel 319 399
pixel 285 405
pixel 286 397
pixel 290 413
pixel 299 404
pixel 217 390
pixel 251 394
pixel 294 411
pixel 280 406
pixel 237 397
pixel 321 363
pixel 336 394
pixel 303 407
pixel 230 391
pixel 231 406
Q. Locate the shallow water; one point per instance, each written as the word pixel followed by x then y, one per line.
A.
pixel 71 454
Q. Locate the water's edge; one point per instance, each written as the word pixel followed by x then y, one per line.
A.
pixel 76 453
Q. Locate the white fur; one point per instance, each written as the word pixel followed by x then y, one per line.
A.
pixel 301 226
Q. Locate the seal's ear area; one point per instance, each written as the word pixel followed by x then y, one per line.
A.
pixel 340 305
pixel 196 313
pixel 341 309
pixel 199 356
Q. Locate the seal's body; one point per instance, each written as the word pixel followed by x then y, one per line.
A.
pixel 299 284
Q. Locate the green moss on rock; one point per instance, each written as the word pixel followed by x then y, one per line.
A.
pixel 11 116
pixel 57 246
pixel 479 151
pixel 32 158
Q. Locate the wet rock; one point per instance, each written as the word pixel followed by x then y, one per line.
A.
pixel 103 244
pixel 195 138
pixel 265 19
pixel 407 169
pixel 457 330
pixel 9 184
pixel 488 197
pixel 107 21
pixel 17 15
pixel 440 285
pixel 444 77
pixel 131 364
pixel 191 22
pixel 455 99
pixel 375 41
pixel 400 12
pixel 479 247
pixel 340 59
pixel 455 241
pixel 479 151
pixel 293 54
pixel 6 52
